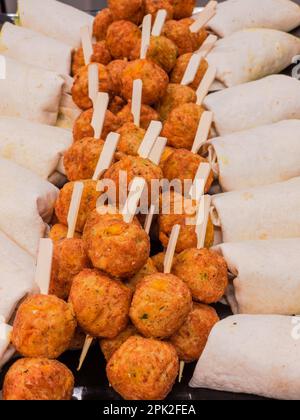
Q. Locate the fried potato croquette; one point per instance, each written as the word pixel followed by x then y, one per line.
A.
pixel 102 22
pixel 101 55
pixel 132 10
pixel 122 37
pixel 181 66
pixel 110 345
pixel 175 96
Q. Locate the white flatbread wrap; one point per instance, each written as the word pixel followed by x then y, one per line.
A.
pixel 255 157
pixel 26 205
pixel 37 147
pixel 266 101
pixel 251 54
pixel 266 276
pixel 234 15
pixel 35 49
pixel 54 19
pixel 30 93
pixel 252 354
pixel 262 213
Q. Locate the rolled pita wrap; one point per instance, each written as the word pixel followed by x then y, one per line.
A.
pixel 37 147
pixel 255 157
pixel 54 19
pixel 35 49
pixel 252 354
pixel 30 93
pixel 266 101
pixel 252 54
pixel 266 276
pixel 6 350
pixel 269 212
pixel 26 205
pixel 234 15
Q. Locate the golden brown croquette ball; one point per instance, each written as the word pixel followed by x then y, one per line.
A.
pixel 83 128
pixel 101 24
pixel 191 338
pixel 181 126
pixel 59 232
pixel 115 247
pixel 155 80
pixel 38 380
pixel 101 55
pixel 69 259
pixel 205 273
pixel 78 340
pixel 110 345
pixel 153 6
pixel 143 369
pixel 181 66
pixel 148 269
pixel 159 261
pixel 131 138
pixel 183 8
pixel 88 202
pixel 122 37
pixel 80 89
pixel 115 69
pixel 116 104
pixel 160 305
pixel 80 160
pixel 44 327
pixel 148 114
pixel 132 10
pixel 175 96
pixel 101 305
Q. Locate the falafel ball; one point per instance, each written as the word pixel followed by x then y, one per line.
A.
pixel 205 273
pixel 148 269
pixel 110 345
pixel 88 203
pixel 80 88
pixel 143 369
pixel 59 232
pixel 131 137
pixel 175 96
pixel 153 6
pixel 181 66
pixel 82 127
pixel 115 69
pixel 38 380
pixel 183 165
pixel 101 305
pixel 102 22
pixel 148 115
pixel 122 37
pixel 119 249
pixel 44 327
pixel 181 126
pixel 132 10
pixel 69 259
pixel 191 338
pixel 155 80
pixel 101 55
pixel 187 236
pixel 160 305
pixel 183 8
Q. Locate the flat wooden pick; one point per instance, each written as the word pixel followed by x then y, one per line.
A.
pixel 87 344
pixel 205 84
pixel 202 220
pixel 107 155
pixel 99 114
pixel 87 45
pixel 134 196
pixel 191 69
pixel 198 187
pixel 207 45
pixel 137 93
pixel 160 19
pixel 74 208
pixel 149 218
pixel 150 138
pixel 146 35
pixel 168 262
pixel 44 265
pixel 203 130
pixel 205 16
pixel 158 150
pixel 93 75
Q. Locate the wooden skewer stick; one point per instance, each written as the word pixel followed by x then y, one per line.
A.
pixel 203 131
pixel 107 155
pixel 150 138
pixel 87 45
pixel 160 19
pixel 134 196
pixel 146 35
pixel 207 45
pixel 158 150
pixel 136 105
pixel 74 208
pixel 198 187
pixel 99 114
pixel 93 75
pixel 205 84
pixel 44 265
pixel 202 220
pixel 181 370
pixel 205 16
pixel 87 344
pixel 168 262
pixel 191 70
pixel 149 218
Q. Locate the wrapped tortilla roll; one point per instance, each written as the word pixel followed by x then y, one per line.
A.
pixel 252 54
pixel 26 205
pixel 269 212
pixel 234 15
pixel 266 276
pixel 37 147
pixel 35 49
pixel 61 21
pixel 255 157
pixel 252 354
pixel 30 93
pixel 266 101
